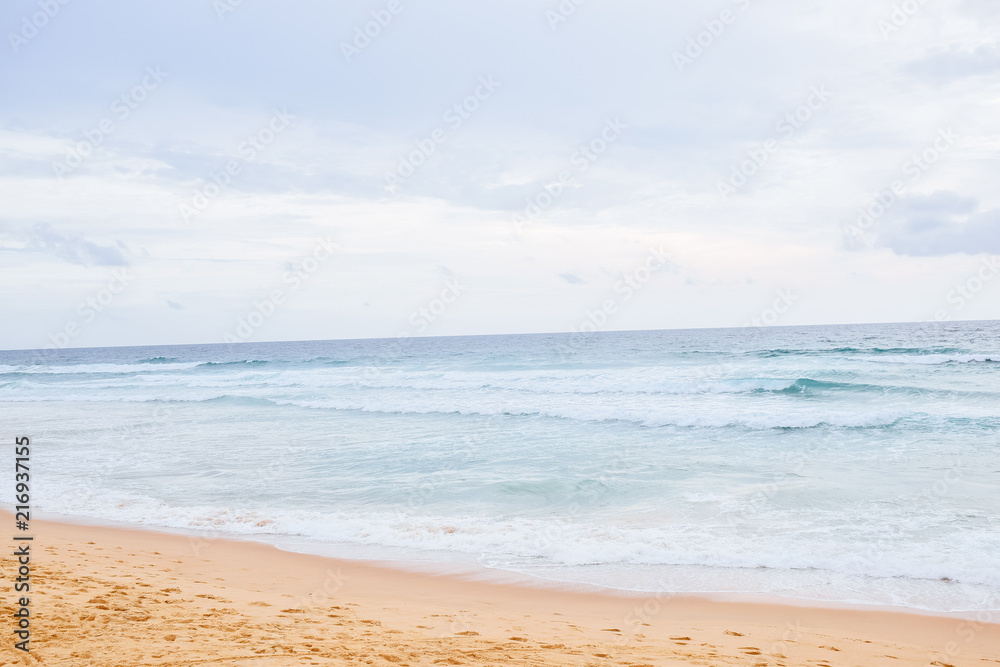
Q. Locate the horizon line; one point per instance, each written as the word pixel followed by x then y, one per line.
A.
pixel 48 350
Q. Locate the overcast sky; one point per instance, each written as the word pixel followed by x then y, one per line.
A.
pixel 492 167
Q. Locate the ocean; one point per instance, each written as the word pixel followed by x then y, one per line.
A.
pixel 847 464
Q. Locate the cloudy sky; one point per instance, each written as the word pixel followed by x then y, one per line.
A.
pixel 188 171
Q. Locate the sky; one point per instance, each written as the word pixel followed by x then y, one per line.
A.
pixel 201 171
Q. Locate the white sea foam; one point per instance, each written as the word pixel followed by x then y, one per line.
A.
pixel 849 548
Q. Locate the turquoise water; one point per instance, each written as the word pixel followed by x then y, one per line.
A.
pixel 848 463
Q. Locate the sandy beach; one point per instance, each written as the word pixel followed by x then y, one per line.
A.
pixel 110 596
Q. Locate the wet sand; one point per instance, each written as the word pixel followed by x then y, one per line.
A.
pixel 111 596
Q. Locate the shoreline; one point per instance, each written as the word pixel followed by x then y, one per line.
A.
pixel 465 571
pixel 132 596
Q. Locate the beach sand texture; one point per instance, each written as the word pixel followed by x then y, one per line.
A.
pixel 110 596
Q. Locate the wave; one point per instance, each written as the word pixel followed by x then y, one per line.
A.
pixel 95 369
pixel 372 372
pixel 241 362
pixel 651 418
pixel 164 364
pixel 805 385
pixel 937 359
pixel 315 362
pixel 594 412
pixel 891 355
pixel 843 545
pixel 237 378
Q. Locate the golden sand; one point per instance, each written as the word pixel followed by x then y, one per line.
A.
pixel 108 596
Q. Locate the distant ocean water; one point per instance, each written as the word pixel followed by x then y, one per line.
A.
pixel 844 463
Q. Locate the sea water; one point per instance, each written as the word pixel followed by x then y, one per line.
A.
pixel 856 464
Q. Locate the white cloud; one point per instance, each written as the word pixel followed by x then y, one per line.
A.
pixel 657 184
